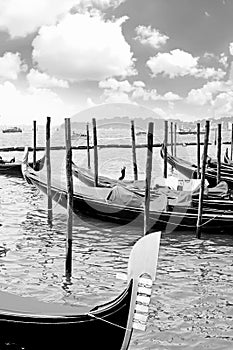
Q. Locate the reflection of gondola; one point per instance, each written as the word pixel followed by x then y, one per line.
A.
pixel 122 206
pixel 190 170
pixel 37 325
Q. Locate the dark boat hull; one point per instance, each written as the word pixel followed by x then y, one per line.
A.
pixel 15 169
pixel 189 170
pixel 174 218
pixel 98 329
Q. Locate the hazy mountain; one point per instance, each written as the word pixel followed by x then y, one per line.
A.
pixel 115 115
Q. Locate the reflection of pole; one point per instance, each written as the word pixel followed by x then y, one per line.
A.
pixel 219 154
pixel 148 177
pixel 198 150
pixel 34 144
pixel 88 148
pixel 69 181
pixel 95 152
pixel 135 167
pixel 48 165
pixel 165 148
pixel 201 193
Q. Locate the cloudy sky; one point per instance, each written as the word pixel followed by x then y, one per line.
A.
pixel 58 57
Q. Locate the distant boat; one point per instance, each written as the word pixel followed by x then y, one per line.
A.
pixel 139 133
pixel 78 134
pixel 189 132
pixel 13 129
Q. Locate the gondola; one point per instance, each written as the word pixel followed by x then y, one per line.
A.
pixel 87 177
pixel 14 169
pixel 38 325
pixel 189 169
pixel 218 197
pixel 122 206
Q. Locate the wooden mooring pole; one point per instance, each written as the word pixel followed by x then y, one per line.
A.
pixel 148 177
pixel 175 138
pixel 165 148
pixel 202 188
pixel 95 152
pixel 88 148
pixel 219 146
pixel 135 167
pixel 231 141
pixel 171 133
pixel 198 151
pixel 34 144
pixel 48 166
pixel 69 182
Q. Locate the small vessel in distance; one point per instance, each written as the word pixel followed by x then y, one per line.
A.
pixel 12 129
pixel 189 131
pixel 140 133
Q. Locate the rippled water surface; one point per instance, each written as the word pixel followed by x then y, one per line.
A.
pixel 192 300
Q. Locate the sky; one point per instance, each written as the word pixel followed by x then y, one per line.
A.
pixel 59 57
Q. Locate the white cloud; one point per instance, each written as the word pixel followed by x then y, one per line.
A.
pixel 114 84
pixel 10 66
pixel 34 104
pixel 231 48
pixel 176 63
pixel 149 36
pixel 216 95
pixel 26 17
pixel 37 79
pixel 21 19
pixel 180 63
pixel 134 91
pixel 102 4
pixel 116 97
pixel 208 92
pixel 83 47
pixel 223 104
pixel 170 96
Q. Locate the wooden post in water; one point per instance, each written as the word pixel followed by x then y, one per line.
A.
pixel 219 144
pixel 198 150
pixel 215 136
pixel 88 148
pixel 34 144
pixel 231 141
pixel 165 149
pixel 48 166
pixel 148 177
pixel 202 188
pixel 135 167
pixel 175 138
pixel 172 146
pixel 69 181
pixel 95 152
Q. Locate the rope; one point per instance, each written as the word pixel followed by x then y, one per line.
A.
pixel 57 200
pixel 111 323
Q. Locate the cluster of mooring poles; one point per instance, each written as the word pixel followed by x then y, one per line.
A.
pixel 201 168
pixel 69 176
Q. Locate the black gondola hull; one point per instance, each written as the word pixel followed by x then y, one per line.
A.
pixel 99 329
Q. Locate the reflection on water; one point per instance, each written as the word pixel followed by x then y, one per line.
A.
pixel 192 301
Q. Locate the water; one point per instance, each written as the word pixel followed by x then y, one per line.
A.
pixel 192 300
